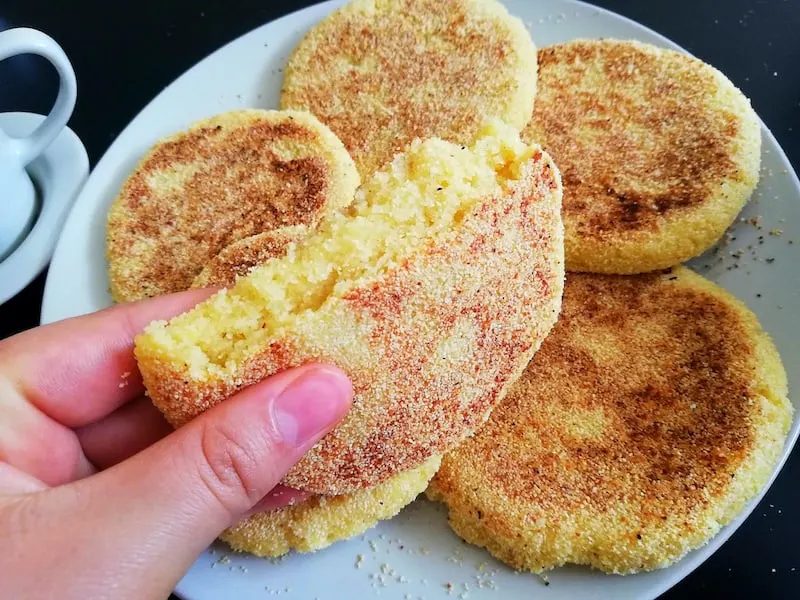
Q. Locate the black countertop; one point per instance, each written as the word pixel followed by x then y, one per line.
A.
pixel 124 53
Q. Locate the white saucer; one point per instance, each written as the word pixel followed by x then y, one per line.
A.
pixel 59 173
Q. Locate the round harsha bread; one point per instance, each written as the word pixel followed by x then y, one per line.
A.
pixel 226 178
pixel 381 73
pixel 654 411
pixel 658 152
pixel 322 520
pixel 431 291
pixel 241 257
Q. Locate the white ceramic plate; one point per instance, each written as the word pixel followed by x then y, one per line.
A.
pixel 415 555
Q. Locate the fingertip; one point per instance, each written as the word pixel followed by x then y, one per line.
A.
pixel 312 404
pixel 341 379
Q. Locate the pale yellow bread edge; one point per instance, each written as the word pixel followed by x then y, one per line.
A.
pixel 322 520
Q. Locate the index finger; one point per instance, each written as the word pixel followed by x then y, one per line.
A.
pixel 79 370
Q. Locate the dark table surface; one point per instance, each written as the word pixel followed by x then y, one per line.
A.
pixel 124 53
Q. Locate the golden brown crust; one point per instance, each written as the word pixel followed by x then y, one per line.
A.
pixel 655 409
pixel 381 73
pixel 658 152
pixel 430 345
pixel 241 257
pixel 224 179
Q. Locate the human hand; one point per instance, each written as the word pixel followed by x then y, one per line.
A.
pixel 98 497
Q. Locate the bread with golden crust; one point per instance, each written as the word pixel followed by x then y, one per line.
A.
pixel 381 73
pixel 655 410
pixel 228 177
pixel 321 521
pixel 658 152
pixel 432 291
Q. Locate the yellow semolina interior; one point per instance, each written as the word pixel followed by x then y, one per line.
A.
pixel 422 194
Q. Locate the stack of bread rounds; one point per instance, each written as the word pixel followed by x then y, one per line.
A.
pixel 401 218
pixel 658 407
pixel 432 291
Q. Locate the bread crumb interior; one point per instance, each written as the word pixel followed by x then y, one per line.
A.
pixel 422 194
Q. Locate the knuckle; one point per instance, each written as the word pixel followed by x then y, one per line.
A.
pixel 230 467
pixel 23 516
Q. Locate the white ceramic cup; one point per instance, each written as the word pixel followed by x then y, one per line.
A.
pixel 17 194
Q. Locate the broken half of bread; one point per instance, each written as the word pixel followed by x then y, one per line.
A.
pixel 432 291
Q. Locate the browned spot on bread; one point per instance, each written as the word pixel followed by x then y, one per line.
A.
pixel 648 141
pixel 202 190
pixel 691 142
pixel 381 74
pixel 652 396
pixel 695 353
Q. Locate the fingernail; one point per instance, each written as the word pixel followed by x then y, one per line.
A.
pixel 311 404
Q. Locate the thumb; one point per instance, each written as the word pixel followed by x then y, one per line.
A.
pixel 180 493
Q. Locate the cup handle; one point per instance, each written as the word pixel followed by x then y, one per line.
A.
pixel 30 41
